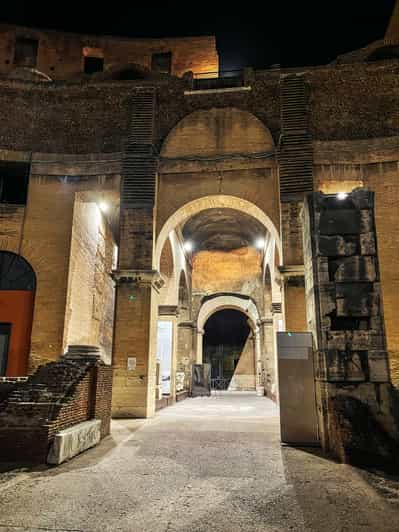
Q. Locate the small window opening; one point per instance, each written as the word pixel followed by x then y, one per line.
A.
pixel 14 180
pixel 162 63
pixel 26 52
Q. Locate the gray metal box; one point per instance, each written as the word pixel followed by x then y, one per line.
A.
pixel 298 414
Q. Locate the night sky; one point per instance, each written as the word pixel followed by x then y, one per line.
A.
pixel 279 33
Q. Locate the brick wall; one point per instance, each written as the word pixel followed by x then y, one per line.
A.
pixel 60 55
pixel 91 294
pixel 58 396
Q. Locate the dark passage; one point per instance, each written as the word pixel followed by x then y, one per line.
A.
pixel 226 333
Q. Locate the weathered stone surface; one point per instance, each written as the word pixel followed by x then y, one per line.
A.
pixel 323 270
pixel 362 198
pixel 335 246
pixel 357 436
pixel 355 269
pixel 368 244
pixel 358 340
pixel 73 441
pixel 366 222
pixel 344 366
pixel 339 222
pixel 378 366
pixel 327 299
pixel 356 303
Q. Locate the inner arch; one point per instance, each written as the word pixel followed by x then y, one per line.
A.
pixel 190 210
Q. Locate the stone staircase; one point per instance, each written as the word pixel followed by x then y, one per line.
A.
pixel 139 159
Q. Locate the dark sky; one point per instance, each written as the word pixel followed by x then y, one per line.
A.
pixel 277 33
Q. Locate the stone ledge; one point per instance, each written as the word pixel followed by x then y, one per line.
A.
pixel 73 441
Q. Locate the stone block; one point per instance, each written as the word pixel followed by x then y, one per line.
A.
pixel 362 198
pixel 368 244
pixel 356 299
pixel 336 246
pixel 355 340
pixel 343 366
pixel 355 269
pixel 340 222
pixel 366 222
pixel 327 299
pixel 379 366
pixel 73 441
pixel 322 270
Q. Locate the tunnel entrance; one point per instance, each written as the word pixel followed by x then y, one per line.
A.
pixel 228 349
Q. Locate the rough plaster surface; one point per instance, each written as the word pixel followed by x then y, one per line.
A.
pixel 207 464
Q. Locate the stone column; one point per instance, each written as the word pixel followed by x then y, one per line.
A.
pixel 260 387
pixel 200 346
pixel 135 335
pixel 345 314
pixel 136 312
pixel 270 357
pixel 185 350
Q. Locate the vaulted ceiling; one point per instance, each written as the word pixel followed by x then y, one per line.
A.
pixel 222 229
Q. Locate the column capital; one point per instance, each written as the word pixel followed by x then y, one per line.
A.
pixel 292 270
pixel 139 278
pixel 168 311
pixel 186 325
pixel 266 321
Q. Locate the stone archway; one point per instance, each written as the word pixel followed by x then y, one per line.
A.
pixel 243 304
pixel 218 201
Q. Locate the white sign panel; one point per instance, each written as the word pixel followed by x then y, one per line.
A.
pixel 164 353
pixel 131 364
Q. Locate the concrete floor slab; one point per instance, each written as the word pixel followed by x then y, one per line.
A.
pixel 206 464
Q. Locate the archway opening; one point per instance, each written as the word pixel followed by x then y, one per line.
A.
pixel 227 348
pixel 17 294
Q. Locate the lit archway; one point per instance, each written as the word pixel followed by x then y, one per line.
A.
pixel 218 201
pixel 234 302
pixel 228 348
pixel 243 304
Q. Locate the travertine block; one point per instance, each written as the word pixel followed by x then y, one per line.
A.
pixel 73 441
pixel 356 269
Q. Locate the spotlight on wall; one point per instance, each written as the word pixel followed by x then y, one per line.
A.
pixel 342 196
pixel 188 246
pixel 104 207
pixel 260 244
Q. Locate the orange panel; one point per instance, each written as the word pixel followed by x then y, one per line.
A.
pixel 16 307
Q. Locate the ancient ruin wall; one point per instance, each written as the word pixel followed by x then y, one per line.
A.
pixel 345 314
pixel 58 396
pixel 61 55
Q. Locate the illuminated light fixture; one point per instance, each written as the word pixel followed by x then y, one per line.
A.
pixel 260 243
pixel 104 207
pixel 342 196
pixel 188 246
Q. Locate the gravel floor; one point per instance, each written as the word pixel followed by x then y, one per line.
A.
pixel 207 464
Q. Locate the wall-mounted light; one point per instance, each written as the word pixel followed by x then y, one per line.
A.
pixel 260 244
pixel 188 246
pixel 342 196
pixel 103 206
